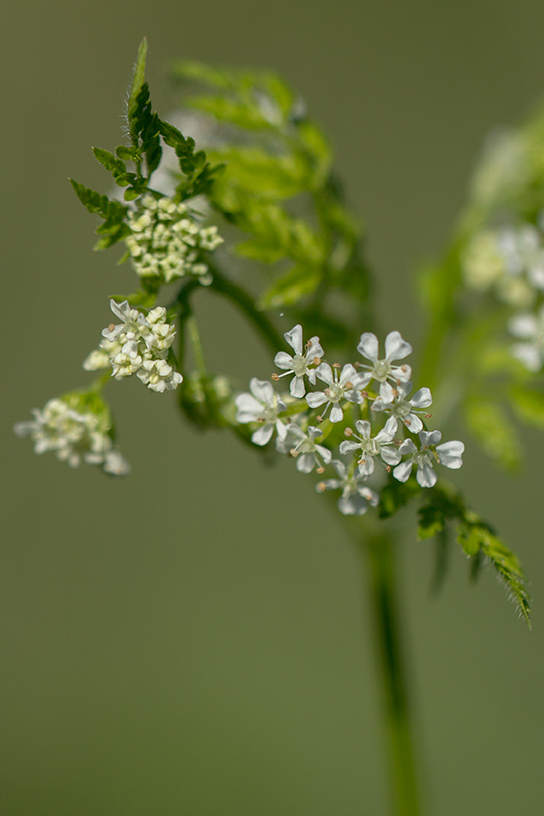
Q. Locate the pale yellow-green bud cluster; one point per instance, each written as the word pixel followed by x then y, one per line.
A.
pixel 167 242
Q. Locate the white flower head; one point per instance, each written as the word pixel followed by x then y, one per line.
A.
pixel 75 433
pixel 381 445
pixel 530 328
pixel 382 370
pixel 299 364
pixel 356 498
pixel 139 345
pixel 394 400
pixel 303 447
pixel 158 375
pixel 263 406
pixel 448 454
pixel 339 387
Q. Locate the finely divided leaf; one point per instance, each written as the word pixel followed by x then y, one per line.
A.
pixel 138 81
pixel 477 539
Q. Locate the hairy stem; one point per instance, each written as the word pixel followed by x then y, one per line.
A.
pixel 392 673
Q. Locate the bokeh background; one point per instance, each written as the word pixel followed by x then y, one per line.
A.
pixel 194 639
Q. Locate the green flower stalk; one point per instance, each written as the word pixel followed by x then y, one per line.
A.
pixel 256 216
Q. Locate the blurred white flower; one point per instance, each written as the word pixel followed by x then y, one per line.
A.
pixel 356 498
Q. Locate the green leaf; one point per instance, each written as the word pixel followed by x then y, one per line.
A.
pixel 111 162
pixel 478 540
pixel 243 114
pixel 270 175
pixel 477 537
pixel 290 288
pixel 529 406
pixel 98 203
pixel 138 81
pixel 494 431
pixel 128 153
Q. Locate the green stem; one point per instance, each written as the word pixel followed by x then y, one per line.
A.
pixel 264 327
pixel 196 344
pixel 392 671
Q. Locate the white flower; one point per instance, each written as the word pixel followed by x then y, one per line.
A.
pixel 340 387
pixel 302 446
pixel 448 454
pixel 395 402
pixel 299 364
pixel 74 435
pixel 158 375
pixel 263 406
pixel 116 464
pixel 139 345
pixel 528 327
pixel 381 445
pixel 355 498
pixel 133 327
pixel 383 369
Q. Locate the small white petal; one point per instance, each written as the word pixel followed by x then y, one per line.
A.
pixel 262 390
pixel 262 435
pixel 324 372
pixel 316 398
pixel 336 414
pixel 425 475
pixel 422 398
pixel 294 338
pixel 429 438
pixel 402 471
pixel 297 388
pixel 368 346
pixel 283 360
pixel 395 347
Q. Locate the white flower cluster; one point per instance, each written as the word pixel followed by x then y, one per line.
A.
pixel 75 433
pixel 303 433
pixel 167 242
pixel 510 263
pixel 139 345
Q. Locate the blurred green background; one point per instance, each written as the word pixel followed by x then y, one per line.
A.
pixel 190 640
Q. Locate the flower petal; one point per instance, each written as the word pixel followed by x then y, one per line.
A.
pixel 450 453
pixel 368 346
pixel 283 360
pixel 294 338
pixel 425 475
pixel 262 390
pixel 395 347
pixel 402 471
pixel 263 434
pixel 316 398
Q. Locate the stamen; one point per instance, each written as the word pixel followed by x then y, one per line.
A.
pixel 316 361
pixel 348 432
pixel 320 487
pixel 275 377
pixel 321 469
